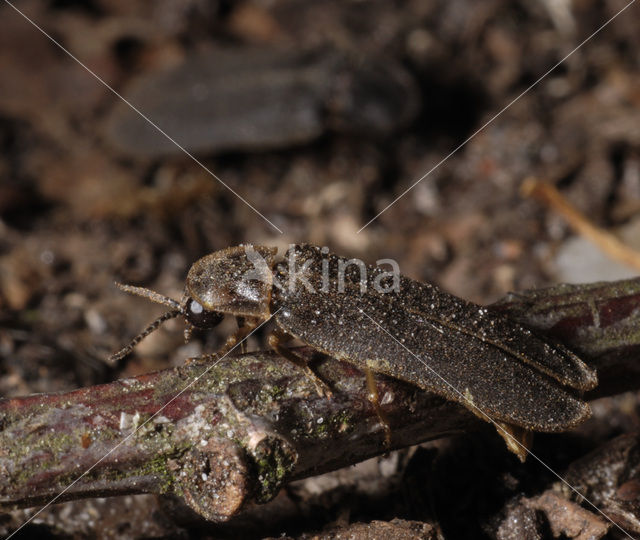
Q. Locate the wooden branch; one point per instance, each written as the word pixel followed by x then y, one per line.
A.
pixel 218 436
pixel 246 426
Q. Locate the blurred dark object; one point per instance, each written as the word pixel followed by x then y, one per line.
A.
pixel 250 99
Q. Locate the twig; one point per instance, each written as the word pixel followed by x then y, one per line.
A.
pixel 607 242
pixel 246 427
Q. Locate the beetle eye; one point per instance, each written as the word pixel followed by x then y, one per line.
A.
pixel 200 317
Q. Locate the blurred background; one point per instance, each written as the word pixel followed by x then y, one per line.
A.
pixel 317 114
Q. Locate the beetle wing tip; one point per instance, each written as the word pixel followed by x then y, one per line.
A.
pixel 588 380
pixel 583 413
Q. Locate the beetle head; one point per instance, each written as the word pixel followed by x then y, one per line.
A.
pixel 192 311
pixel 235 280
pixel 198 316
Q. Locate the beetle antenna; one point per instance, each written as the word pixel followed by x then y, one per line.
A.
pixel 188 330
pixel 151 295
pixel 153 326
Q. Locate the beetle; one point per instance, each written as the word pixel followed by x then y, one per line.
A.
pixel 494 366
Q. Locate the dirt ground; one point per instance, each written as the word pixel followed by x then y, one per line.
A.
pixel 324 113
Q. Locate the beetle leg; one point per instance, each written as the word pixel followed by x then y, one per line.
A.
pixel 241 323
pixel 241 333
pixel 231 342
pixel 373 397
pixel 188 330
pixel 517 438
pixel 276 342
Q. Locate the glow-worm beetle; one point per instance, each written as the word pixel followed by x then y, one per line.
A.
pixel 491 364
